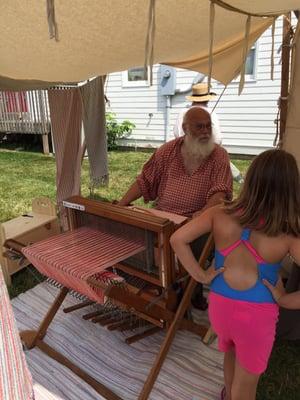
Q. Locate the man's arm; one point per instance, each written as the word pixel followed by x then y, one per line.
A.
pixel 133 193
pixel 214 200
pixel 147 183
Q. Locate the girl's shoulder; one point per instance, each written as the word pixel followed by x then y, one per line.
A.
pixel 218 215
pixel 294 245
pixel 219 211
pixel 224 222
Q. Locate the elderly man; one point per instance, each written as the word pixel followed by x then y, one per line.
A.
pixel 186 175
pixel 200 98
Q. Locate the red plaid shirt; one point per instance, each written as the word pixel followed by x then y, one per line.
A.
pixel 165 179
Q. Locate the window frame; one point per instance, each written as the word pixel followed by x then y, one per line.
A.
pixel 252 77
pixel 249 77
pixel 140 83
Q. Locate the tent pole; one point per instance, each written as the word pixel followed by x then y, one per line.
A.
pixel 285 75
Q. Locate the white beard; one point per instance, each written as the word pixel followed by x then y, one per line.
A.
pixel 197 149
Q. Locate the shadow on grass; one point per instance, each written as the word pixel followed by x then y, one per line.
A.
pixel 281 381
pixel 24 280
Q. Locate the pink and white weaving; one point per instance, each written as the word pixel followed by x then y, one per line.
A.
pixel 73 257
pixel 15 378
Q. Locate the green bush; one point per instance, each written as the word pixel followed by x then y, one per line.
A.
pixel 116 131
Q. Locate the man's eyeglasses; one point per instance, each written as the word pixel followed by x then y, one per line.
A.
pixel 203 127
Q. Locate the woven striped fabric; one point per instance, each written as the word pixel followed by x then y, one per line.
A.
pixel 15 378
pixel 73 257
pixel 66 116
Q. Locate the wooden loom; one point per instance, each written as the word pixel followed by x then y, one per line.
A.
pixel 108 239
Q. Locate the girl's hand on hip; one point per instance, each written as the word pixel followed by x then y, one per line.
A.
pixel 277 291
pixel 210 274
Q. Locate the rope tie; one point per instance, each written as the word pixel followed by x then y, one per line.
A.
pixel 293 48
pixel 53 31
pixel 217 102
pixel 276 121
pixel 211 42
pixel 229 7
pixel 149 47
pixel 245 52
pixel 272 49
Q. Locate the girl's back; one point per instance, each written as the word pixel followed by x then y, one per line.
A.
pixel 240 262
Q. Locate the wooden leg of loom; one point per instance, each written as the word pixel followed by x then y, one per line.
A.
pixel 30 338
pixel 183 306
pixel 142 335
pixel 78 306
pixel 101 389
pixel 35 338
pixel 185 302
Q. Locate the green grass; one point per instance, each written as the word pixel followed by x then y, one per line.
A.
pixel 282 378
pixel 25 175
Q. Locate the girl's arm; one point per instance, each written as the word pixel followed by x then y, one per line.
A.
pixel 181 239
pixel 291 300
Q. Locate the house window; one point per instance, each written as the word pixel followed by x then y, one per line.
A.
pixel 250 62
pixel 250 65
pixel 135 77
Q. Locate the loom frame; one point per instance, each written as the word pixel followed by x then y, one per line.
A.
pixel 174 318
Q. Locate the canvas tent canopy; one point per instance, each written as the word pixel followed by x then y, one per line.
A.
pixel 97 37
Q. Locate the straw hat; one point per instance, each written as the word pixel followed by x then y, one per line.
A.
pixel 200 93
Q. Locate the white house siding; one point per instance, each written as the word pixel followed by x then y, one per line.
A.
pixel 247 121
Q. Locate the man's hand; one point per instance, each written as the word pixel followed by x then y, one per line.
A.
pixel 119 203
pixel 277 291
pixel 131 195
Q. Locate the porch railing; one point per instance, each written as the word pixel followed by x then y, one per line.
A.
pixel 24 112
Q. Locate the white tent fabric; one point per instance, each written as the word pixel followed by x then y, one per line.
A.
pixel 96 37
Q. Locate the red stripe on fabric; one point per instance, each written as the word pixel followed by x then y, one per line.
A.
pixel 72 257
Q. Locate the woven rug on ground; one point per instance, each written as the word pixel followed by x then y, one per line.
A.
pixel 192 370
